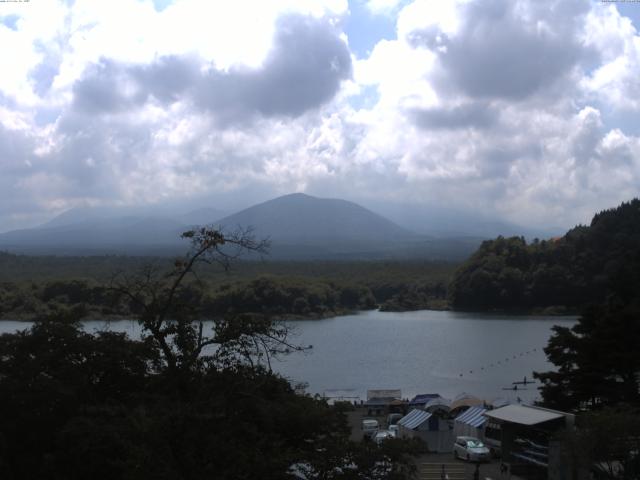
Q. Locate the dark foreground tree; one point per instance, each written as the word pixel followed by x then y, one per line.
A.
pixel 606 444
pixel 597 360
pixel 181 403
pixel 55 376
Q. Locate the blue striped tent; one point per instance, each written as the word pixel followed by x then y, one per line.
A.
pixel 414 419
pixel 470 423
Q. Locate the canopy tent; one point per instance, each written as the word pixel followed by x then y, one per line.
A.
pixel 465 400
pixel 470 423
pixel 431 429
pixel 438 404
pixel 419 401
pixel 414 419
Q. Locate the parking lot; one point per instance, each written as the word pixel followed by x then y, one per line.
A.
pixel 430 465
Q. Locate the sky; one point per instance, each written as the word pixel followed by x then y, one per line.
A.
pixel 525 111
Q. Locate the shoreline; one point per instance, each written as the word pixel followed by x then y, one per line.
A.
pixel 548 312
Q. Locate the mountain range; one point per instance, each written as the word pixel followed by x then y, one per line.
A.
pixel 299 226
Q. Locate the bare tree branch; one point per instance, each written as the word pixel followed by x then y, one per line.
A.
pixel 174 324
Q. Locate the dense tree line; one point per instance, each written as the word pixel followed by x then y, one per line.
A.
pixel 597 361
pixel 584 266
pixel 283 296
pixel 413 296
pixel 318 290
pixel 79 405
pixel 289 296
pixel 24 268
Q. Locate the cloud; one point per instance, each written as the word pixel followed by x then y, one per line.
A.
pixel 493 108
pixel 477 115
pixel 107 87
pixel 614 81
pixel 506 49
pixel 304 70
pixel 500 107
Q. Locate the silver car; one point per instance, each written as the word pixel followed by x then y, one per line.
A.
pixel 382 435
pixel 471 449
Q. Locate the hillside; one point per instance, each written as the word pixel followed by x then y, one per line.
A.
pixel 93 236
pixel 299 219
pixel 588 264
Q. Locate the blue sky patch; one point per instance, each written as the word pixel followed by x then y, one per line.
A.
pixel 10 21
pixel 160 5
pixel 365 29
pixel 631 10
pixel 366 99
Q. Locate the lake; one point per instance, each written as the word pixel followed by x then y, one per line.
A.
pixel 418 352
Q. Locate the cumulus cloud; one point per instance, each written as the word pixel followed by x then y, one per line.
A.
pixel 499 106
pixel 505 49
pixel 476 115
pixel 303 70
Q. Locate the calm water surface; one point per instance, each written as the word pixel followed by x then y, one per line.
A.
pixel 418 352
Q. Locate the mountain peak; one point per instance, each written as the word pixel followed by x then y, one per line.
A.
pixel 295 195
pixel 298 218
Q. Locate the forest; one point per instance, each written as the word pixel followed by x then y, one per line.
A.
pixel 596 376
pixel 36 286
pixel 560 275
pixel 597 360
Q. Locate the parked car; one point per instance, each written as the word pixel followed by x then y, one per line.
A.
pixel 369 427
pixel 382 435
pixel 394 429
pixel 393 418
pixel 471 449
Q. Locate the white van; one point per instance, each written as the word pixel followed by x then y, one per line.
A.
pixel 369 427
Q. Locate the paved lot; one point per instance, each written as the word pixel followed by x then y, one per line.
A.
pixel 430 468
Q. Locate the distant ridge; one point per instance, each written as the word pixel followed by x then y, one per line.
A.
pixel 300 227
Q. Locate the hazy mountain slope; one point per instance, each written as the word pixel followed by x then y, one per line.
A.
pixel 300 227
pixel 91 230
pixel 98 215
pixel 97 233
pixel 201 216
pixel 304 220
pixel 443 221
